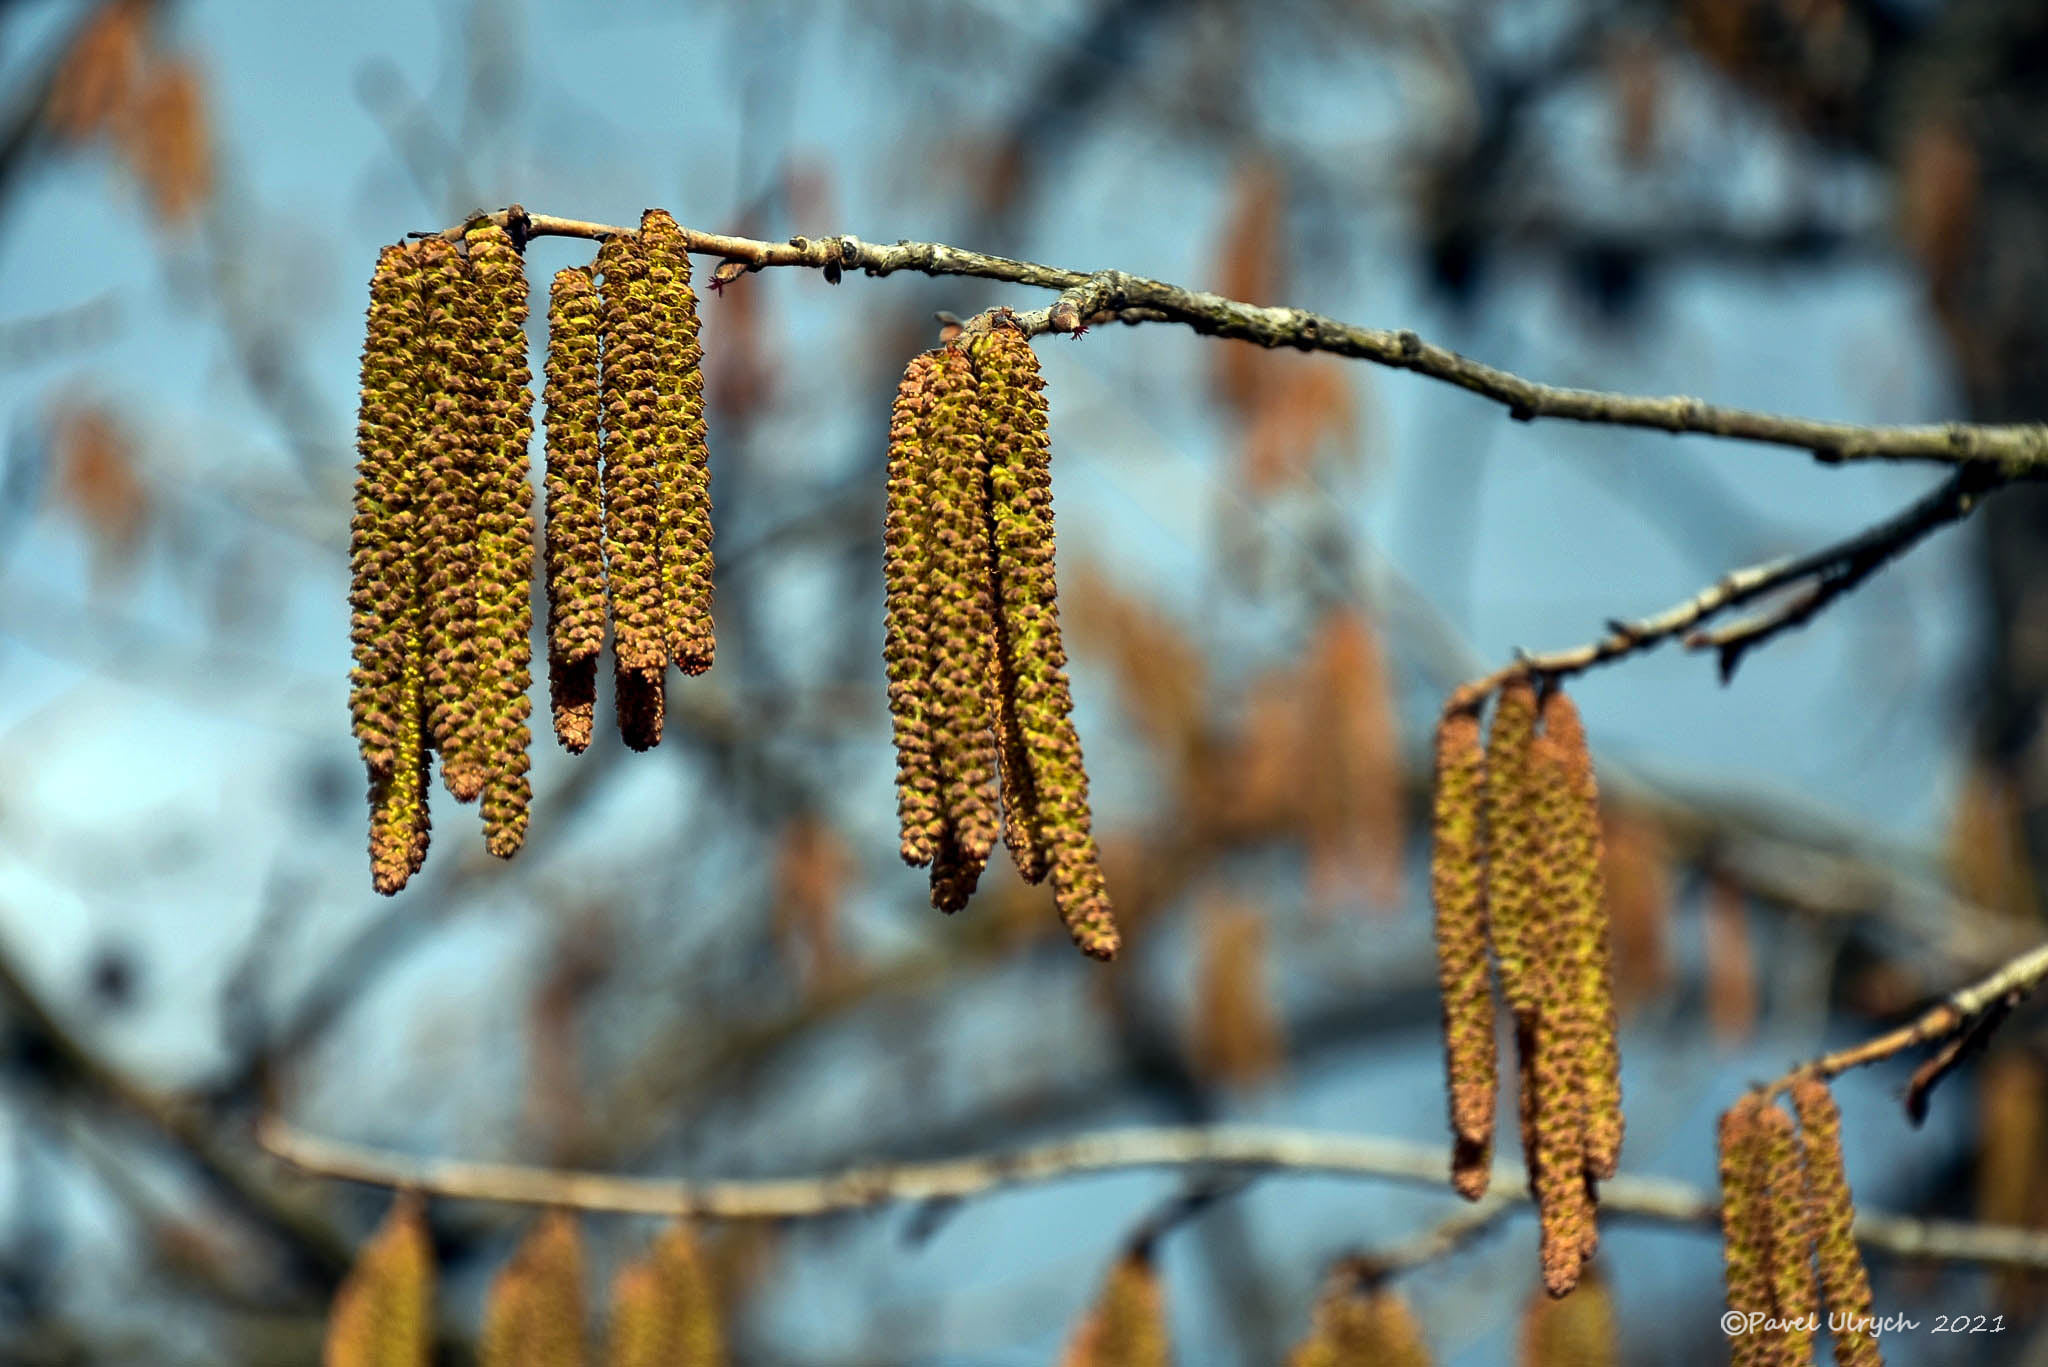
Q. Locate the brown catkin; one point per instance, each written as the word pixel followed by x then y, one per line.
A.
pixel 388 683
pixel 1560 1029
pixel 1048 825
pixel 1514 844
pixel 631 476
pixel 504 499
pixel 665 1310
pixel 1745 1233
pixel 1580 881
pixel 1458 886
pixel 642 699
pixel 450 446
pixel 533 1316
pixel 906 643
pixel 963 748
pixel 1127 1326
pixel 1845 1286
pixel 383 1313
pixel 575 515
pixel 1357 1328
pixel 1795 1298
pixel 681 456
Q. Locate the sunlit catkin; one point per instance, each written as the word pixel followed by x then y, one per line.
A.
pixel 1458 885
pixel 1795 1298
pixel 1745 1230
pixel 449 445
pixel 383 1313
pixel 504 569
pixel 1514 843
pixel 1845 1286
pixel 1127 1326
pixel 533 1316
pixel 906 643
pixel 1047 822
pixel 961 633
pixel 1559 1030
pixel 575 516
pixel 681 463
pixel 387 686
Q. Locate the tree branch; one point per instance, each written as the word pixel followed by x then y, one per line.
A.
pixel 2016 449
pixel 1240 1147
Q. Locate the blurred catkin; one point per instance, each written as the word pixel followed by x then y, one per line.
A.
pixel 504 503
pixel 1745 1231
pixel 906 647
pixel 1458 885
pixel 533 1316
pixel 575 517
pixel 1514 843
pixel 1048 825
pixel 1577 1331
pixel 682 466
pixel 665 1310
pixel 1845 1286
pixel 383 1313
pixel 1795 1298
pixel 1127 1326
pixel 961 632
pixel 387 685
pixel 1577 880
pixel 1360 1328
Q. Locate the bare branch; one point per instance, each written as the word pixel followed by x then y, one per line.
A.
pixel 1216 1147
pixel 2015 450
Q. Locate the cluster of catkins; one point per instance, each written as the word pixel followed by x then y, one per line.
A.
pixel 442 538
pixel 1785 1210
pixel 1517 864
pixel 977 675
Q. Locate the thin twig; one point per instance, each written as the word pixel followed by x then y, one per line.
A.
pixel 1220 1147
pixel 2015 449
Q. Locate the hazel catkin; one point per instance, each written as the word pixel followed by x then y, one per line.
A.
pixel 1845 1286
pixel 383 1313
pixel 575 516
pixel 1458 888
pixel 906 647
pixel 1795 1298
pixel 1745 1231
pixel 533 1316
pixel 681 462
pixel 1514 848
pixel 1127 1326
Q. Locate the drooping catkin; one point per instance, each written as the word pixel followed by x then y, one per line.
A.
pixel 1795 1298
pixel 631 476
pixel 665 1310
pixel 533 1316
pixel 1745 1233
pixel 1559 1030
pixel 906 645
pixel 1585 960
pixel 1362 1328
pixel 1458 886
pixel 1577 1331
pixel 575 516
pixel 504 499
pixel 1048 825
pixel 961 631
pixel 1514 844
pixel 1845 1286
pixel 383 1313
pixel 1127 1325
pixel 681 459
pixel 449 444
pixel 387 685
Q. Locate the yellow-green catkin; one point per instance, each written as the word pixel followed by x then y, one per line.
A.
pixel 1458 887
pixel 1559 1031
pixel 682 464
pixel 632 489
pixel 961 631
pixel 1047 822
pixel 906 643
pixel 1745 1229
pixel 575 514
pixel 1845 1285
pixel 383 1313
pixel 450 446
pixel 1127 1326
pixel 1577 1331
pixel 1514 840
pixel 1579 881
pixel 665 1310
pixel 504 498
pixel 1795 1297
pixel 533 1316
pixel 1362 1328
pixel 387 686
